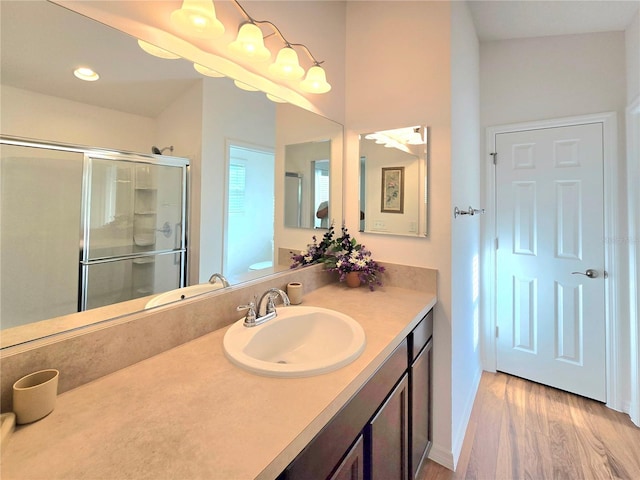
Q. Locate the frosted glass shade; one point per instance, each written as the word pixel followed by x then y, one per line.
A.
pixel 207 71
pixel 286 65
pixel 245 86
pixel 275 99
pixel 315 81
pixel 156 51
pixel 197 18
pixel 249 44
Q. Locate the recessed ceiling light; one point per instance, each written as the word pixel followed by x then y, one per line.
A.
pixel 85 73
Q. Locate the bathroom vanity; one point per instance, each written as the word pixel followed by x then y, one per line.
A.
pixel 190 413
pixel 384 431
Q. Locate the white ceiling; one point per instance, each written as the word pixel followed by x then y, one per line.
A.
pixel 508 19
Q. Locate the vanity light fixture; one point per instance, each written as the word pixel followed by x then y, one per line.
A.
pixel 287 65
pixel 157 51
pixel 250 44
pixel 275 99
pixel 245 86
pixel 416 138
pixel 399 137
pixel 315 81
pixel 198 18
pixel 209 72
pixel 86 74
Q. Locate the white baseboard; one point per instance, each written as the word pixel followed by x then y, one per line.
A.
pixel 634 413
pixel 458 437
pixel 449 457
pixel 441 455
pixel 633 410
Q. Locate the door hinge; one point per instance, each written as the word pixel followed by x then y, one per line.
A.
pixel 495 157
pixel 497 243
pixel 497 331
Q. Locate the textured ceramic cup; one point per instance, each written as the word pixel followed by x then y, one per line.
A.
pixel 294 292
pixel 34 395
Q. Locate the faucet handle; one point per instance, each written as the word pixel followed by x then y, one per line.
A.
pixel 250 317
pixel 271 297
pixel 271 305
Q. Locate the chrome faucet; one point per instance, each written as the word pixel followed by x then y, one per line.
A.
pixel 220 277
pixel 254 317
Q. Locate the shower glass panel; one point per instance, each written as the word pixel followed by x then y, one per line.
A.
pixel 134 216
pixel 121 280
pixel 133 207
pixel 39 225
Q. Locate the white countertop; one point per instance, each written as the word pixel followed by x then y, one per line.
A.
pixel 189 413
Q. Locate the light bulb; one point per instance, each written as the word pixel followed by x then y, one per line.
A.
pixel 157 51
pixel 315 81
pixel 198 18
pixel 286 65
pixel 249 44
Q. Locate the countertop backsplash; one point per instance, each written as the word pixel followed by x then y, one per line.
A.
pixel 84 355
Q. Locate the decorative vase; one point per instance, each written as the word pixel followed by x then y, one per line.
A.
pixel 352 279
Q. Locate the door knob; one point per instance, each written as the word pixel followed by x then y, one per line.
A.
pixel 591 273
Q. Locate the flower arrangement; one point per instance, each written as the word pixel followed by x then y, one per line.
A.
pixel 315 252
pixel 343 255
pixel 347 255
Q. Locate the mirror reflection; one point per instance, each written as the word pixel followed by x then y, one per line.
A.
pixel 393 165
pixel 307 185
pixel 233 139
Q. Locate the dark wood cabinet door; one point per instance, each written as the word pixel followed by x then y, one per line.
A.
pixel 420 408
pixel 352 467
pixel 389 436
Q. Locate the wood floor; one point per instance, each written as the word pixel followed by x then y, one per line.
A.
pixel 523 430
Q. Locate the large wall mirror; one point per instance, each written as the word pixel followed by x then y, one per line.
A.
pixel 393 181
pixel 307 185
pixel 235 140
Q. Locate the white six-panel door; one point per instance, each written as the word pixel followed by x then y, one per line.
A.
pixel 550 257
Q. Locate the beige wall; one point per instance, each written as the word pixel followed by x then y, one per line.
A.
pixel 465 230
pixel 632 44
pixel 32 115
pixel 398 73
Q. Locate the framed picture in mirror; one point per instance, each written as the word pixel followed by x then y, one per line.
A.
pixel 392 197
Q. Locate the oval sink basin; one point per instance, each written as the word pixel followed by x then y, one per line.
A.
pixel 182 294
pixel 299 342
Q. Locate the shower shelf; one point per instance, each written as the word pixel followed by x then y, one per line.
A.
pixel 144 240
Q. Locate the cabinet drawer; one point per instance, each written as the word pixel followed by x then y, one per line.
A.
pixel 421 335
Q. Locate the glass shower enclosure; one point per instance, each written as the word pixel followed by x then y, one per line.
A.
pixel 83 228
pixel 133 234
